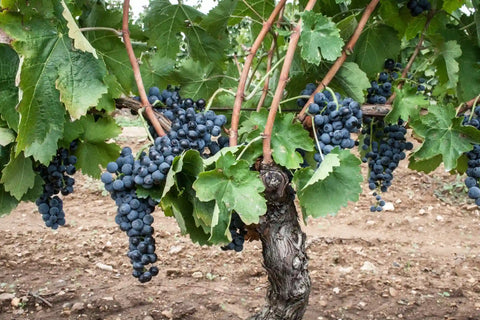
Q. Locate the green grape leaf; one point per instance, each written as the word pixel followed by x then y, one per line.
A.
pixel 108 45
pixel 443 135
pixel 79 40
pixel 6 136
pixel 92 155
pixel 375 45
pixel 287 136
pixel 469 71
pixel 347 26
pixel 476 16
pixel 452 5
pixel 52 73
pixel 18 175
pixel 415 26
pixel 328 195
pixel 319 38
pixel 446 63
pixel 7 201
pixel 165 22
pixel 425 165
pixel 232 184
pixel 330 161
pixel 100 130
pixel 179 206
pixel 353 81
pixel 8 91
pixel 394 16
pixel 156 71
pixel 198 80
pixel 256 9
pixel 407 104
pixel 215 22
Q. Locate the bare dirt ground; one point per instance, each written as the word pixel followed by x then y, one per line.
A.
pixel 419 261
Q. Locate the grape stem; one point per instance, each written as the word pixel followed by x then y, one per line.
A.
pixel 257 87
pixel 334 97
pixel 145 124
pixel 237 105
pixel 219 90
pixel 248 145
pixel 316 139
pixel 136 71
pixel 347 50
pixel 469 104
pixel 415 53
pixel 117 32
pixel 282 82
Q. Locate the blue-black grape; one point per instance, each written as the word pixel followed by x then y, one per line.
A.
pixel 473 170
pixel 381 89
pixel 416 7
pixel 334 123
pixel 238 232
pixel 384 147
pixel 57 177
pixel 134 214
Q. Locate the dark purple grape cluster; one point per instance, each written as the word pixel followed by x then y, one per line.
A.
pixel 134 214
pixel 308 91
pixel 334 119
pixel 416 7
pixel 384 146
pixel 381 89
pixel 57 177
pixel 473 171
pixel 238 232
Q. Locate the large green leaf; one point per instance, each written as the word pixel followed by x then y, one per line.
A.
pixel 452 5
pixel 165 22
pixel 407 104
pixel 353 81
pixel 444 135
pixel 8 91
pixel 287 137
pixel 320 37
pixel 326 192
pixel 79 40
pixel 52 72
pixel 93 151
pixel 469 71
pixel 18 175
pixel 375 45
pixel 198 80
pixel 215 22
pixel 6 136
pixel 232 184
pixel 446 63
pixel 7 201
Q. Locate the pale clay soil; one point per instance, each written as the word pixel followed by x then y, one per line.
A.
pixel 419 261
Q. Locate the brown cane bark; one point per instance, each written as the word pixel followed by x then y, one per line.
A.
pixel 283 251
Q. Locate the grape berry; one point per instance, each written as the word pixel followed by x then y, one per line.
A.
pixel 57 177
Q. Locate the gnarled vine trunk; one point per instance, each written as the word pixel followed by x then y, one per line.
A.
pixel 284 254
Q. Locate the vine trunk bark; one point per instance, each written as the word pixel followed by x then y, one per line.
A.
pixel 283 243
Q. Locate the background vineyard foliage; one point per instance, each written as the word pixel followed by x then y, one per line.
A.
pixel 59 84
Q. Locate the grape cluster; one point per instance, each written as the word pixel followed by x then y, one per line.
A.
pixel 334 119
pixel 308 91
pixel 134 214
pixel 473 171
pixel 238 232
pixel 57 177
pixel 384 145
pixel 416 7
pixel 381 89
